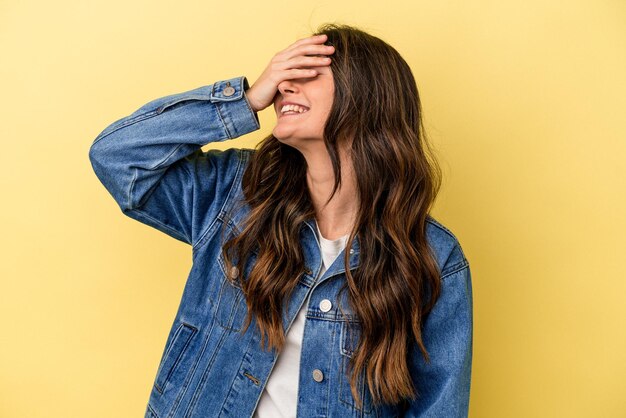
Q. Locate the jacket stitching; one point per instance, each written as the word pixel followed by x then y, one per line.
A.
pixel 166 158
pixel 457 268
pixel 143 213
pixel 192 373
pixel 243 93
pixel 205 375
pixel 250 365
pixel 156 221
pixel 152 411
pixel 179 358
pixel 238 376
pixel 194 399
pixel 227 202
pixel 434 222
pixel 126 122
pixel 129 202
pixel 219 114
pixel 330 368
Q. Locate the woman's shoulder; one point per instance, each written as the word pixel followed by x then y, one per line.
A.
pixel 446 247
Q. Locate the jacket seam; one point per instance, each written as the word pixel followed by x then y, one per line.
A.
pixel 238 374
pixel 154 167
pixel 191 405
pixel 256 117
pixel 155 220
pixel 145 214
pixel 129 201
pixel 126 122
pixel 152 411
pixel 455 269
pixel 219 114
pixel 438 225
pixel 433 222
pixel 194 369
pixel 203 235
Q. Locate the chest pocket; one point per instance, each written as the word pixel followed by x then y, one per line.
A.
pixel 350 333
pixel 231 304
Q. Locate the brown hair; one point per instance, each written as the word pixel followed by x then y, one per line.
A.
pixel 377 106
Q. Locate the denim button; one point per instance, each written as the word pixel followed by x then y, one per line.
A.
pixel 351 251
pixel 228 91
pixel 325 305
pixel 234 272
pixel 318 376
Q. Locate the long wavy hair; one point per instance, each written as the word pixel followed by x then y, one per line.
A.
pixel 377 106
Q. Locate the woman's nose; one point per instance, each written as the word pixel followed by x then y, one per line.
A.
pixel 287 86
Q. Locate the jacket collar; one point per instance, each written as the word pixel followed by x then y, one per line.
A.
pixel 314 254
pixel 311 249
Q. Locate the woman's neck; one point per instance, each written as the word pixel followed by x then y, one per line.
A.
pixel 337 218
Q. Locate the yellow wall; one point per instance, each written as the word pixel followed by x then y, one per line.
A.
pixel 525 101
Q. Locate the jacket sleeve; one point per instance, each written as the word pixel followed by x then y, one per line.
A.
pixel 152 163
pixel 443 384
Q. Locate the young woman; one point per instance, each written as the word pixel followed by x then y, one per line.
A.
pixel 320 284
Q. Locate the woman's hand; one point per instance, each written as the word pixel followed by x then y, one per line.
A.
pixel 285 66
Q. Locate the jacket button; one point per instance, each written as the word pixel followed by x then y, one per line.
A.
pixel 318 376
pixel 351 251
pixel 234 272
pixel 325 305
pixel 228 91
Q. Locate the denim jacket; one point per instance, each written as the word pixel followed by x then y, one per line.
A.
pixel 152 163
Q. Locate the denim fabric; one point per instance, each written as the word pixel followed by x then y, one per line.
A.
pixel 152 163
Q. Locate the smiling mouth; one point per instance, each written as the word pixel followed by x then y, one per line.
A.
pixel 283 115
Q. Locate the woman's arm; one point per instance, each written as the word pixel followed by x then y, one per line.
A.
pixel 443 385
pixel 152 162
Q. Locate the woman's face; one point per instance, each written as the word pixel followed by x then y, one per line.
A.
pixel 316 95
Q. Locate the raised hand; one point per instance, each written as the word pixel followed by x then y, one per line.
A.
pixel 285 65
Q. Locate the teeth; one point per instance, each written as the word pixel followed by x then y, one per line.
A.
pixel 294 108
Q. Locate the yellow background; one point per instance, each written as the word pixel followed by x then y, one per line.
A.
pixel 524 100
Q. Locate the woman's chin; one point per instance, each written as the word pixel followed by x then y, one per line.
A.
pixel 283 135
pixel 286 140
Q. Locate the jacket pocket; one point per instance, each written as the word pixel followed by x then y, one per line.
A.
pixel 350 333
pixel 231 302
pixel 174 355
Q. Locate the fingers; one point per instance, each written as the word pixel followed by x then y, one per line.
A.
pixel 302 61
pixel 305 52
pixel 295 73
pixel 311 45
pixel 297 61
pixel 315 39
pixel 307 49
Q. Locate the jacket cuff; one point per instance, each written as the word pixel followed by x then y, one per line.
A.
pixel 237 115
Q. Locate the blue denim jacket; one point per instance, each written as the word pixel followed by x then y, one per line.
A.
pixel 152 163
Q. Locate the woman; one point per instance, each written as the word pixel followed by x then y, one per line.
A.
pixel 360 302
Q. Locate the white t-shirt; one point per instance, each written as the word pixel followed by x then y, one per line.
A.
pixel 280 396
